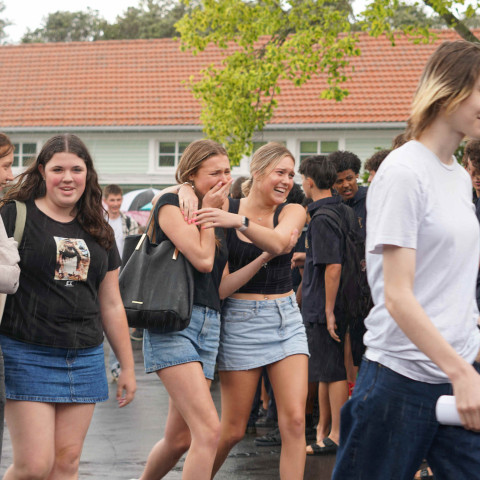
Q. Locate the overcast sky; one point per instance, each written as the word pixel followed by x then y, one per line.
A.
pixel 29 13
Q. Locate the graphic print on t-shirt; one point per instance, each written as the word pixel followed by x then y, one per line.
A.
pixel 73 259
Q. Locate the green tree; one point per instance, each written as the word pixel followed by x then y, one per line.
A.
pixel 291 40
pixel 274 40
pixel 64 26
pixel 378 18
pixel 4 23
pixel 151 19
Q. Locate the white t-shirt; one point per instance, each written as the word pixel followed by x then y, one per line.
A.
pixel 116 224
pixel 416 201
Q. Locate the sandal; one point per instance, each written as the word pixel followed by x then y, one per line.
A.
pixel 329 448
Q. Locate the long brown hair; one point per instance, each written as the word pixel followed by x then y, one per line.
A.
pixel 90 213
pixel 193 157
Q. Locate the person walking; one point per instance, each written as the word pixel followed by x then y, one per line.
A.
pixel 185 360
pixel 9 258
pixel 422 262
pixel 261 322
pixel 52 328
pixel 321 309
pixel 122 225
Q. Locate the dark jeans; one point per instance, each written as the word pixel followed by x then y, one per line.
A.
pixel 389 426
pixel 2 400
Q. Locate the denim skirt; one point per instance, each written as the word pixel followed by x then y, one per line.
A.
pixel 257 333
pixel 38 373
pixel 196 343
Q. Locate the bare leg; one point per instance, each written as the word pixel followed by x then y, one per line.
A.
pixel 338 394
pixel 32 433
pixel 351 369
pixel 176 441
pixel 323 428
pixel 237 392
pixel 192 421
pixel 290 384
pixel 71 426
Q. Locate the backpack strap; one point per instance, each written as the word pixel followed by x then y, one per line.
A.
pixel 345 221
pixel 128 222
pixel 20 221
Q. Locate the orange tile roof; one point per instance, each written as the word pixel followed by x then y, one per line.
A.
pixel 130 83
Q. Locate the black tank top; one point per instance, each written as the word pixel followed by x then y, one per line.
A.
pixel 274 277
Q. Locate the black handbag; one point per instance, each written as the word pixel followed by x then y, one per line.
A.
pixel 156 284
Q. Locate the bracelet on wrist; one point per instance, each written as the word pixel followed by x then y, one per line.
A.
pixel 187 183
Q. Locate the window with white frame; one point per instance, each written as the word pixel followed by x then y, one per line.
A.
pixel 24 154
pixel 169 153
pixel 317 147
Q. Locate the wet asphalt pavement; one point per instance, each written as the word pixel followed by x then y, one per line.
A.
pixel 119 440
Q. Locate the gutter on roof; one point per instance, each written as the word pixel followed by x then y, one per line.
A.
pixel 136 128
pixel 336 126
pixel 197 128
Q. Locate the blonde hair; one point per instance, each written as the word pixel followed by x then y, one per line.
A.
pixel 193 157
pixel 264 160
pixel 447 79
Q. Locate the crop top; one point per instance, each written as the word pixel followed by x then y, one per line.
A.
pixel 274 277
pixel 206 285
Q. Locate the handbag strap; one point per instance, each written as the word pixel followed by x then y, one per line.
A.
pixel 20 221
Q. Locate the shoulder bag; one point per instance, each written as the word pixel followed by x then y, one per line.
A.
pixel 156 284
pixel 17 235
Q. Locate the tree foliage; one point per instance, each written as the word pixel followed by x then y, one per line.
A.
pixel 273 40
pixel 267 42
pixel 4 23
pixel 151 19
pixel 65 26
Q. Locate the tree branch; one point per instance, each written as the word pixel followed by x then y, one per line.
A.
pixel 453 22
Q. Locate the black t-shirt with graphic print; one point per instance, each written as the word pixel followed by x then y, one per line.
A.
pixel 62 267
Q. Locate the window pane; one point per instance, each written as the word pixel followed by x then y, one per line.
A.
pixel 15 160
pixel 308 147
pixel 167 147
pixel 166 160
pixel 329 147
pixel 182 146
pixel 29 149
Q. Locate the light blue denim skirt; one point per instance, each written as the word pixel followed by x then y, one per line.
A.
pixel 196 343
pixel 257 333
pixel 37 373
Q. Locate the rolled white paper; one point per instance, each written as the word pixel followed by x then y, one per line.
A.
pixel 446 411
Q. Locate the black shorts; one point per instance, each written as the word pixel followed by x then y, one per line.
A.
pixel 326 362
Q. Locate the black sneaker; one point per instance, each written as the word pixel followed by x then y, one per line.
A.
pixel 270 439
pixel 137 335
